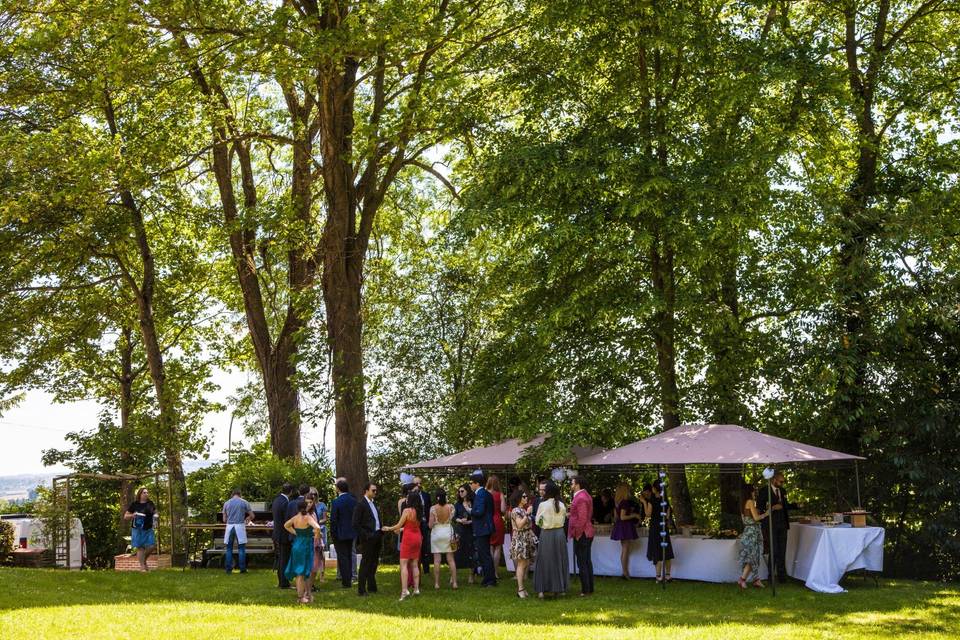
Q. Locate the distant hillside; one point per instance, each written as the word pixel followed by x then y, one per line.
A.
pixel 22 483
pixel 15 485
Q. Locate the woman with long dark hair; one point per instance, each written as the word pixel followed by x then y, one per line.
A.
pixel 499 526
pixel 523 543
pixel 552 572
pixel 410 544
pixel 626 517
pixel 465 555
pixel 441 538
pixel 142 536
pixel 658 511
pixel 750 542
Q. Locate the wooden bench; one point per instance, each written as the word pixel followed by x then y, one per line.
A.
pixel 256 546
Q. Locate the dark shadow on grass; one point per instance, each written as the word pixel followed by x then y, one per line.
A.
pixel 902 606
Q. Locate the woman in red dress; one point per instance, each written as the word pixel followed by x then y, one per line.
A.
pixel 410 545
pixel 499 529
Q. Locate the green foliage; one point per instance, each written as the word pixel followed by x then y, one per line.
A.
pixel 19 507
pixel 729 138
pixel 258 474
pixel 7 541
pixel 704 210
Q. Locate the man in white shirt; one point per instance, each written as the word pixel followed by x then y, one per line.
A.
pixel 367 524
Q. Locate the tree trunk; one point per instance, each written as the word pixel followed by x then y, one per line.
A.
pixel 724 377
pixel 283 408
pixel 126 409
pixel 143 293
pixel 344 326
pixel 276 362
pixel 662 276
pixel 169 423
pixel 858 225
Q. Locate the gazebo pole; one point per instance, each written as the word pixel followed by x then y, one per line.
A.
pixel 856 472
pixel 663 530
pixel 773 563
pixel 69 523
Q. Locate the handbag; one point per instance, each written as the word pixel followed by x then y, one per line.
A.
pixel 454 541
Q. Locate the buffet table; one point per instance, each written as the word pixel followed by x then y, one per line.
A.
pixel 820 556
pixel 697 558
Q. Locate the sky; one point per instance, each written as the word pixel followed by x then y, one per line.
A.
pixel 37 424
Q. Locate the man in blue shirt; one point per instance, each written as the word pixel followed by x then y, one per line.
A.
pixel 341 530
pixel 236 515
pixel 482 515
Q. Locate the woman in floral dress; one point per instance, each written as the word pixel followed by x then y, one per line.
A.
pixel 523 544
pixel 750 542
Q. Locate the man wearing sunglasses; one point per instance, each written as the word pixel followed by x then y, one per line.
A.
pixel 366 522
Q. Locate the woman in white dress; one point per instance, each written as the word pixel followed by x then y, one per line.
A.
pixel 441 538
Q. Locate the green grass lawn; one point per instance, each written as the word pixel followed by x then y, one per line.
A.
pixel 36 604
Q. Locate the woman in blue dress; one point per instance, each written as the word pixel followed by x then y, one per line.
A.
pixel 305 529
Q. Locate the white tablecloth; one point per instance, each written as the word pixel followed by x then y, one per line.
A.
pixel 696 559
pixel 821 555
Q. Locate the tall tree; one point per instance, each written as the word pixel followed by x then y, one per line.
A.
pixel 367 88
pixel 113 214
pixel 886 92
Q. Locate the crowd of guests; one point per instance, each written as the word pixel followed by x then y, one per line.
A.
pixel 470 530
pixel 467 531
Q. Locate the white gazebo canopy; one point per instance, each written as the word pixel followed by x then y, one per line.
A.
pixel 501 455
pixel 713 444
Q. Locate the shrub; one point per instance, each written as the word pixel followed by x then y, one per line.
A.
pixel 258 474
pixel 6 539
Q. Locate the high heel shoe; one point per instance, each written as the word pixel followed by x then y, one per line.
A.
pixel 742 584
pixel 404 596
pixel 758 584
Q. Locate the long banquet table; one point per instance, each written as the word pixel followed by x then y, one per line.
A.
pixel 817 555
pixel 696 559
pixel 820 556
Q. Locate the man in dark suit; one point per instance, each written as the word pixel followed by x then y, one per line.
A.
pixel 780 519
pixel 425 553
pixel 367 525
pixel 541 491
pixel 293 507
pixel 342 531
pixel 482 515
pixel 281 543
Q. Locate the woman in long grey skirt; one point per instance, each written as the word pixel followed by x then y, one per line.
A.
pixel 552 572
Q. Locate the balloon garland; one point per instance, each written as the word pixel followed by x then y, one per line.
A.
pixel 663 529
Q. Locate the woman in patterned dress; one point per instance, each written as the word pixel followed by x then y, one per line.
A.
pixel 750 542
pixel 523 544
